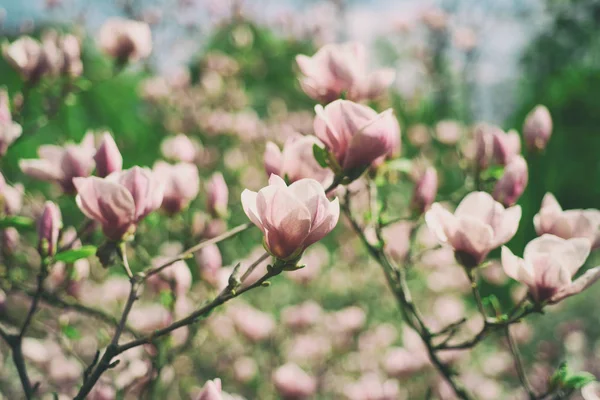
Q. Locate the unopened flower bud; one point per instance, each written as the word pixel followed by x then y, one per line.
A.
pixel 513 183
pixel 49 225
pixel 538 128
pixel 425 190
pixel 108 157
pixel 218 195
pixel 126 40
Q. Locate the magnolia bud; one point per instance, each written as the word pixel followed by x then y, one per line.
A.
pixel 425 190
pixel 49 225
pixel 108 157
pixel 513 183
pixel 537 128
pixel 218 195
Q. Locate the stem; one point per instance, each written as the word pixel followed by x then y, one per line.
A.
pixel 253 266
pixel 476 294
pixel 36 299
pixel 199 246
pixel 123 253
pixel 519 364
pixel 19 361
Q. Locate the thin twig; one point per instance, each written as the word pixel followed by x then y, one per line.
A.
pixel 519 364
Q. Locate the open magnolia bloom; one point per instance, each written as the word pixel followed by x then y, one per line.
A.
pixel 567 224
pixel 9 130
pixel 548 266
pixel 291 217
pixel 125 39
pixel 119 201
pixel 355 134
pixel 479 225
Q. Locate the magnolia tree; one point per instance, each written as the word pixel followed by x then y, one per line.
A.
pixel 345 162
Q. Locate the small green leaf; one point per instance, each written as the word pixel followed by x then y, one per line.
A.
pixel 70 256
pixel 494 172
pixel 166 298
pixel 320 155
pixel 71 332
pixel 579 380
pixel 17 222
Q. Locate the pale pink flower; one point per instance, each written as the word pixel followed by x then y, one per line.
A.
pixel 479 225
pixel 537 128
pixel 125 40
pixel 180 148
pixel 293 383
pixel 176 276
pixel 211 390
pixel 425 190
pixel 356 134
pixel 181 184
pixel 291 217
pixel 513 182
pixel 347 320
pixel 465 38
pixel 108 157
pixel 62 164
pixel 296 161
pixel 449 131
pixel 494 146
pixel 548 266
pixel 591 391
pixel 435 18
pixel 9 130
pixel 119 201
pixel 11 197
pixel 567 224
pixel 302 315
pixel 27 56
pixel 209 263
pixel 342 68
pixel 255 325
pixel 372 387
pixel 149 317
pixel 217 194
pixel 49 226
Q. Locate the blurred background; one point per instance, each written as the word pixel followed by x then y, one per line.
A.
pixel 224 73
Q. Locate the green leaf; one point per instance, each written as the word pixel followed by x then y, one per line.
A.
pixel 166 298
pixel 494 172
pixel 71 332
pixel 400 164
pixel 579 380
pixel 17 222
pixel 559 376
pixel 70 256
pixel 321 155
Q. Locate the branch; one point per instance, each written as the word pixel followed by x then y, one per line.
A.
pixel 519 364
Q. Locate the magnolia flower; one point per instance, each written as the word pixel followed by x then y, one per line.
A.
pixel 339 68
pixel 425 190
pixel 293 383
pixel 9 130
pixel 27 57
pixel 176 277
pixel 125 39
pixel 449 131
pixel 513 182
pixel 479 225
pixel 108 157
pixel 11 197
pixel 49 226
pixel 537 128
pixel 217 195
pixel 211 390
pixel 119 201
pixel 181 182
pixel 62 164
pixel 355 134
pixel 567 224
pixel 291 217
pixel 548 266
pixel 179 148
pixel 296 161
pixel 494 146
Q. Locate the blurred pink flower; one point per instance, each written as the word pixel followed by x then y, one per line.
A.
pixel 11 197
pixel 176 276
pixel 255 325
pixel 355 134
pixel 209 262
pixel 513 182
pixel 180 148
pixel 108 157
pixel 567 224
pixel 348 320
pixel 342 68
pixel 372 387
pixel 49 225
pixel 217 194
pixel 479 225
pixel 425 190
pixel 396 238
pixel 537 128
pixel 494 146
pixel 181 184
pixel 125 40
pixel 548 265
pixel 211 390
pixel 302 315
pixel 62 164
pixel 293 383
pixel 9 130
pixel 291 217
pixel 27 56
pixel 449 131
pixel 119 201
pixel 149 317
pixel 296 161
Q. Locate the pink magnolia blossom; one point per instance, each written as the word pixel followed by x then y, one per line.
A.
pixel 548 266
pixel 537 128
pixel 209 263
pixel 62 164
pixel 339 68
pixel 211 390
pixel 11 197
pixel 449 131
pixel 176 276
pixel 479 225
pixel 293 383
pixel 254 324
pixel 356 134
pixel 180 148
pixel 49 226
pixel 181 184
pixel 567 224
pixel 9 130
pixel 302 315
pixel 425 190
pixel 108 157
pixel 27 56
pixel 513 182
pixel 126 40
pixel 291 217
pixel 494 146
pixel 119 201
pixel 296 161
pixel 217 195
